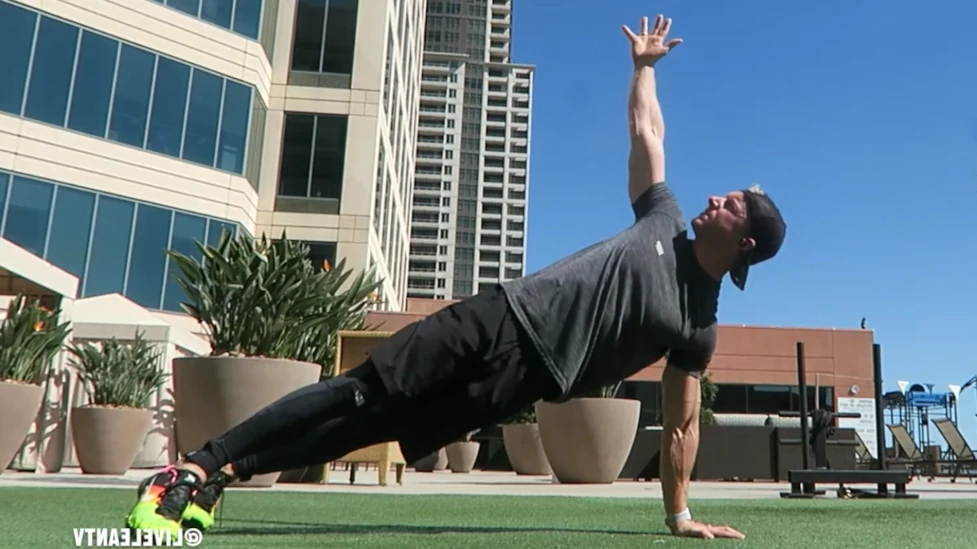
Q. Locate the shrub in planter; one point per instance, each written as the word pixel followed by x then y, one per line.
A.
pixel 709 391
pixel 462 454
pixel 120 378
pixel 520 435
pixel 271 317
pixel 31 336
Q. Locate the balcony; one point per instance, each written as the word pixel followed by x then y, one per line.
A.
pixel 421 250
pixel 499 32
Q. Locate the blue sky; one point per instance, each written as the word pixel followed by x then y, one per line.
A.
pixel 859 119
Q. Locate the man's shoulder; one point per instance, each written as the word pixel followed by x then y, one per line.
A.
pixel 696 350
pixel 658 201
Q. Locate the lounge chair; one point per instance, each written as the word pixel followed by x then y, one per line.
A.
pixel 912 457
pixel 964 461
pixel 862 455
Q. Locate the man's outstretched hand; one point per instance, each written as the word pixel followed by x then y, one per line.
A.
pixel 650 46
pixel 693 529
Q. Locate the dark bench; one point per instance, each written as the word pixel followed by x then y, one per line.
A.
pixel 803 482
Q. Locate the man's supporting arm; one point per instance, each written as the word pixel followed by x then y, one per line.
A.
pixel 646 163
pixel 680 437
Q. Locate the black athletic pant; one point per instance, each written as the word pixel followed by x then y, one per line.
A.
pixel 465 367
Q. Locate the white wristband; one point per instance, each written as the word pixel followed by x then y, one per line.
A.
pixel 678 517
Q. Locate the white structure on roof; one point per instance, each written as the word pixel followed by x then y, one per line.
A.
pixel 104 317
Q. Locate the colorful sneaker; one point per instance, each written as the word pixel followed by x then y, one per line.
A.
pixel 200 513
pixel 163 498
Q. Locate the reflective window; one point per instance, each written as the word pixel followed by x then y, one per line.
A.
pixel 4 185
pixel 218 12
pixel 71 227
pixel 297 146
pixel 28 213
pixel 247 18
pixel 130 106
pixel 16 38
pixel 768 399
pixel 50 83
pixel 313 156
pixel 240 16
pixel 337 55
pixel 92 92
pixel 217 229
pixel 234 127
pixel 321 253
pixel 169 107
pixel 92 236
pixel 203 118
pixel 328 159
pixel 96 85
pixel 190 7
pixel 310 21
pixel 148 260
pixel 731 399
pixel 187 231
pixel 325 35
pixel 110 247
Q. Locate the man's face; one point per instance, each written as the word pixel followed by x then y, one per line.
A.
pixel 724 220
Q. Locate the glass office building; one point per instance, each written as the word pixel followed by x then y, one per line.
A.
pixel 132 128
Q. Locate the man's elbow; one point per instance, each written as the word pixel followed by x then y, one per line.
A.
pixel 644 132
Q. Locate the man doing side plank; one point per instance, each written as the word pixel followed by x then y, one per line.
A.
pixel 590 320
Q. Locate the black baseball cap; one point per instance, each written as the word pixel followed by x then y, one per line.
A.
pixel 767 229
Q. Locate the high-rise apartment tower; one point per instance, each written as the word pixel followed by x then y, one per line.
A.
pixel 468 223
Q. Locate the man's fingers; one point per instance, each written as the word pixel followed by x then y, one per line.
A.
pixel 727 532
pixel 701 531
pixel 665 28
pixel 644 25
pixel 672 43
pixel 628 32
pixel 658 24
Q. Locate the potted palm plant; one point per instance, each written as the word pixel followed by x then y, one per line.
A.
pixel 520 436
pixel 120 378
pixel 462 454
pixel 271 318
pixel 588 439
pixel 31 336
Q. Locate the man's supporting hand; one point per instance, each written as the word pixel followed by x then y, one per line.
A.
pixel 681 401
pixel 693 529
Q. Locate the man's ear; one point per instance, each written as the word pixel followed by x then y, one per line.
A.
pixel 747 244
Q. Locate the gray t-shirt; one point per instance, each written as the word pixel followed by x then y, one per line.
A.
pixel 608 311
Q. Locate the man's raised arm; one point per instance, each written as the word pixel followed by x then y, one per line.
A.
pixel 646 163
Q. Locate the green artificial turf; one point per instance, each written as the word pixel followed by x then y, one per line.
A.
pixel 44 517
